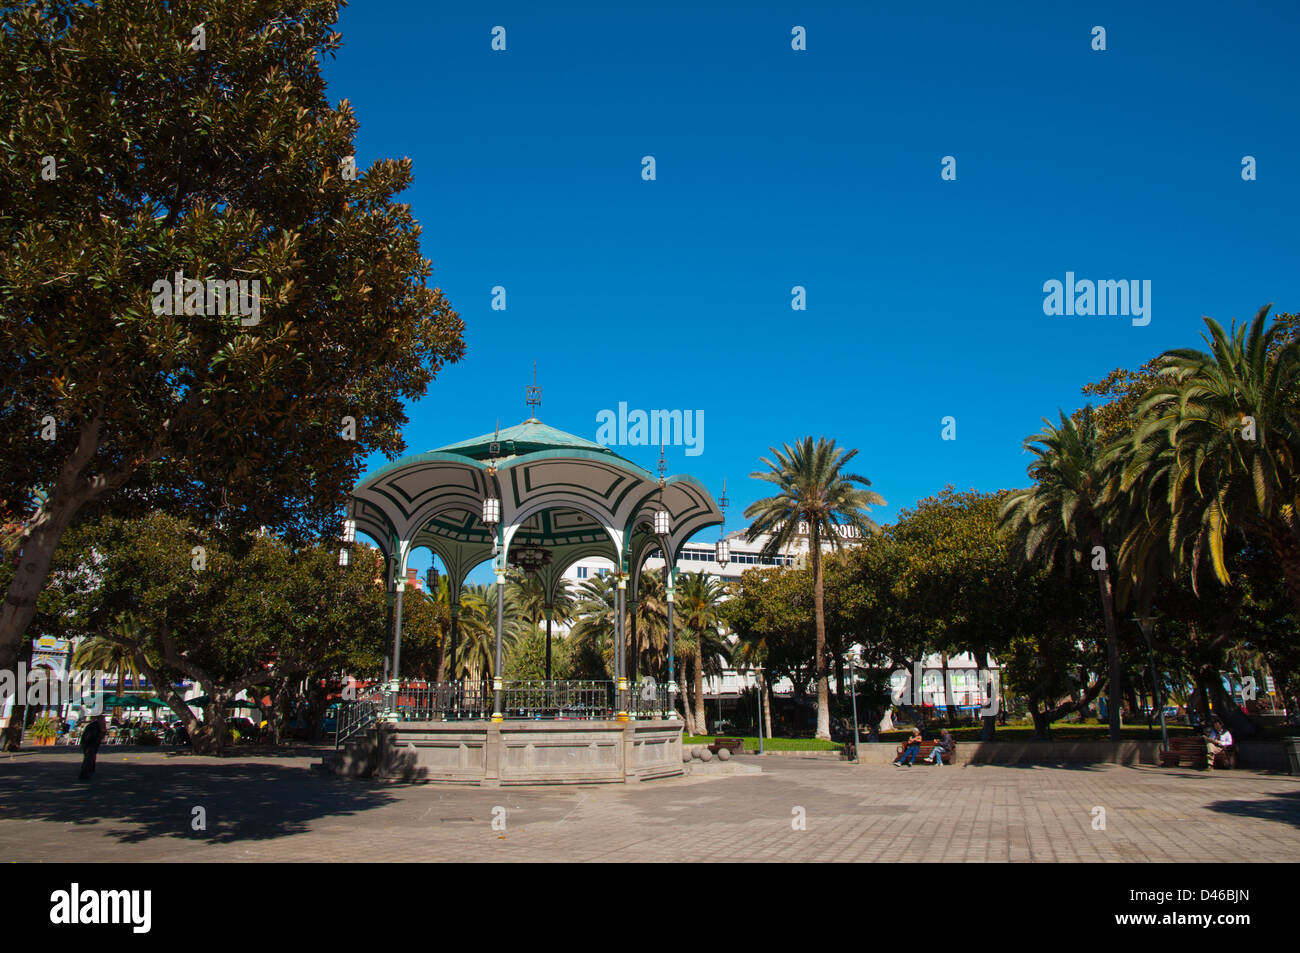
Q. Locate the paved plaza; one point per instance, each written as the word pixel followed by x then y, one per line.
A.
pixel 140 807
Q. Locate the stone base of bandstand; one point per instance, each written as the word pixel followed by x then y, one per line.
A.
pixel 514 752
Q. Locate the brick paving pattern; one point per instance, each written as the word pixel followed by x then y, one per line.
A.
pixel 139 807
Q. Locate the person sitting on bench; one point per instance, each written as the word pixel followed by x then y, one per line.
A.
pixel 942 747
pixel 1216 741
pixel 908 757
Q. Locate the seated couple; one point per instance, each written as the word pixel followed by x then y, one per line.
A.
pixel 945 744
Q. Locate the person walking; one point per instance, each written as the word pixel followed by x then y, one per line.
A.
pixel 91 738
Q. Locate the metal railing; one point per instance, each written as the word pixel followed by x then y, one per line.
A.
pixel 559 700
pixel 355 717
pixel 526 700
pixel 443 701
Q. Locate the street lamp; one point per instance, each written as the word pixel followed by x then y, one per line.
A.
pixel 722 549
pixel 853 691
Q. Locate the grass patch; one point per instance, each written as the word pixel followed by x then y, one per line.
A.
pixel 769 744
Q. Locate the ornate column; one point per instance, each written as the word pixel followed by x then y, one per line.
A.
pixel 620 677
pixel 671 573
pixel 497 684
pixel 547 610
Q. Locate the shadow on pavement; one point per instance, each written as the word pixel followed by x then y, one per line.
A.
pixel 1283 807
pixel 242 800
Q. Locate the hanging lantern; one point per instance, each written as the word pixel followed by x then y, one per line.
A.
pixel 662 522
pixel 491 511
pixel 722 552
pixel 344 559
pixel 349 531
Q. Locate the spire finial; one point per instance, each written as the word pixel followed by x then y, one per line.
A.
pixel 533 395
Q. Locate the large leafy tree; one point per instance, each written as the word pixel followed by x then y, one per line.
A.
pixel 815 496
pixel 150 138
pixel 1061 519
pixel 232 618
pixel 770 613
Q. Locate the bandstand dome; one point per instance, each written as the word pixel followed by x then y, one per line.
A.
pixel 558 492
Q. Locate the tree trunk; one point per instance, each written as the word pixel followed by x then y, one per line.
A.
pixel 1224 707
pixel 947 691
pixel 1042 726
pixel 819 610
pixel 767 706
pixel 30 575
pixel 1116 682
pixel 688 707
pixel 701 720
pixel 70 492
pixel 13 733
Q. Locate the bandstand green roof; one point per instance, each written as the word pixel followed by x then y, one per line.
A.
pixel 528 437
pixel 559 492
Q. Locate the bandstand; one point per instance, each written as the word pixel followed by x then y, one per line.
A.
pixel 539 499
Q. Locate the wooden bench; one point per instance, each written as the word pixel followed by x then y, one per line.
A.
pixel 924 754
pixel 1186 753
pixel 734 745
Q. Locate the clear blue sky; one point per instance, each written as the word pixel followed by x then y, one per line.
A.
pixel 821 168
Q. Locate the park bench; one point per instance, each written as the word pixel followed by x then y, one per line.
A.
pixel 924 754
pixel 1185 752
pixel 734 745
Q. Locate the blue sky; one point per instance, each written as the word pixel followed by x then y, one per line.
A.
pixel 821 168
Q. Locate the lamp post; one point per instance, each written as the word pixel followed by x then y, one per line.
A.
pixel 722 549
pixel 853 691
pixel 759 671
pixel 1147 622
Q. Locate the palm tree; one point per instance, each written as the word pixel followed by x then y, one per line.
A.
pixel 1063 513
pixel 652 625
pixel 594 631
pixel 698 602
pixel 101 653
pixel 815 491
pixel 476 651
pixel 534 605
pixel 1216 447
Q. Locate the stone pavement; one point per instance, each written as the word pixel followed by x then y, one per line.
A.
pixel 140 807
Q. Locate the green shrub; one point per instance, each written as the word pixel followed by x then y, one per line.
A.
pixel 45 728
